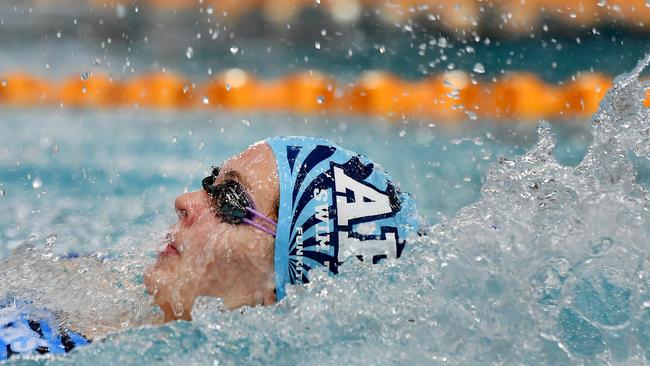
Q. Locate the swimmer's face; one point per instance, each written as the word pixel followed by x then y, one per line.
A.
pixel 208 256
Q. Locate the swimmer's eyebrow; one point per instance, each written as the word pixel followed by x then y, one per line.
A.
pixel 234 175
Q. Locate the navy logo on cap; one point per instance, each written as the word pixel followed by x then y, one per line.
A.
pixel 345 209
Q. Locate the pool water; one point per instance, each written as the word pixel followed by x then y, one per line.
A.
pixel 91 177
pixel 537 255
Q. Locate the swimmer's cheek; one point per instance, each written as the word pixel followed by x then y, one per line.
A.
pixel 149 281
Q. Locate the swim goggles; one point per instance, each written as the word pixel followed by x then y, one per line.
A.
pixel 233 205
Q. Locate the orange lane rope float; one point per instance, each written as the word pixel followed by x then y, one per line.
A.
pixel 452 96
pixel 23 89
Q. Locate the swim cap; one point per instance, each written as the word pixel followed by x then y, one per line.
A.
pixel 334 204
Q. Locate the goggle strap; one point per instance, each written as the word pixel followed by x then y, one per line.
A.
pixel 262 216
pixel 258 226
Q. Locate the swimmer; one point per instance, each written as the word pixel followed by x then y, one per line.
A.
pixel 263 220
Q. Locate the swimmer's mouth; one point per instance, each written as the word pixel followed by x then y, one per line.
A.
pixel 170 250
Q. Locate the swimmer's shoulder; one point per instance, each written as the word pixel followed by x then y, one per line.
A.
pixel 29 329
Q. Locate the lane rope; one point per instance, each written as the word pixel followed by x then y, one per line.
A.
pixel 452 96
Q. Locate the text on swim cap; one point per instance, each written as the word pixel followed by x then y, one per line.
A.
pixel 367 203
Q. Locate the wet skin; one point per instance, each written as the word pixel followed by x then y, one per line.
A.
pixel 206 256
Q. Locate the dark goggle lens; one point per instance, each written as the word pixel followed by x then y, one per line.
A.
pixel 232 202
pixel 229 197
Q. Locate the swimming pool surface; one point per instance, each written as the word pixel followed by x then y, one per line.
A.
pixel 545 263
pixel 104 171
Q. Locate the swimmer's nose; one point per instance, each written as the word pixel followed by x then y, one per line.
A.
pixel 189 206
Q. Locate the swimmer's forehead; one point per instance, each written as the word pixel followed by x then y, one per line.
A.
pixel 256 169
pixel 257 160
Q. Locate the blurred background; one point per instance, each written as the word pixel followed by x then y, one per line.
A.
pixel 437 59
pixel 109 109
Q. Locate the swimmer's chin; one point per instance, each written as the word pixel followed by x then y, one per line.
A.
pixel 152 279
pixel 168 312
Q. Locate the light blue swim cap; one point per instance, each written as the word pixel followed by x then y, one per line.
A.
pixel 334 204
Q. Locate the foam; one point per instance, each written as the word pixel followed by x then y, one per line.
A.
pixel 549 266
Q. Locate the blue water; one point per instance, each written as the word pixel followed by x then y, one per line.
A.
pixel 538 257
pixel 537 253
pixel 107 171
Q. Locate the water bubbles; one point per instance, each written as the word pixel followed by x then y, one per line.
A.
pixel 317 45
pixel 51 239
pixel 58 34
pixel 37 183
pixel 246 122
pixel 402 133
pixel 189 52
pixel 2 192
pixel 174 140
pixel 85 75
pixel 479 68
pixel 227 87
pixel 382 49
pixel 178 308
pixel 120 11
pixel 601 246
pixel 228 255
pixel 345 11
pixel 320 99
pixel 478 141
pixel 45 141
pixel 234 50
pixel 209 10
pixel 206 100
